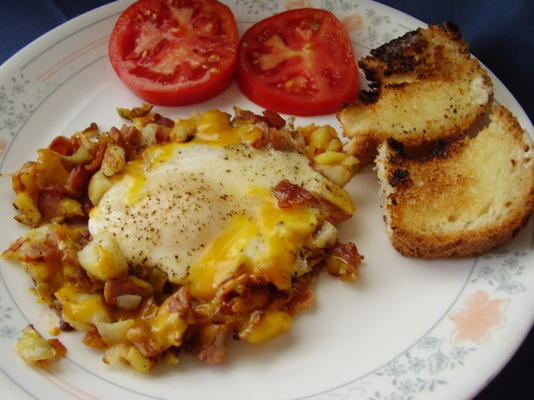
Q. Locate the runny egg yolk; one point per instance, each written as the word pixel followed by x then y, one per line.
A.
pixel 203 211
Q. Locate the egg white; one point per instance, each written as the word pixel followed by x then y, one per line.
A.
pixel 169 205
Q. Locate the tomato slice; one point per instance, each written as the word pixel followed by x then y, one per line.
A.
pixel 298 62
pixel 175 52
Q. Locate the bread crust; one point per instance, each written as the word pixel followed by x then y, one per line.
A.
pixel 424 86
pixel 443 205
pixel 471 244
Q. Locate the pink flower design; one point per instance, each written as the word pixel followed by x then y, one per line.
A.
pixel 352 22
pixel 298 4
pixel 479 316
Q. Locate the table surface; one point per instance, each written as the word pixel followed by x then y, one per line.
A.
pixel 501 35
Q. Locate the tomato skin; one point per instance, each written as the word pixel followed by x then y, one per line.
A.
pixel 324 78
pixel 190 53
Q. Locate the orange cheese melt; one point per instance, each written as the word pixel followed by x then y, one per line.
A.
pixel 265 246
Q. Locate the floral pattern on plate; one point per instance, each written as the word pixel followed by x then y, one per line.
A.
pixel 424 367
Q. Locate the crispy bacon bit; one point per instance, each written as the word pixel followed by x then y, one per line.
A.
pixel 55 189
pixel 271 124
pixel 271 118
pixel 65 326
pixel 148 309
pixel 245 299
pixel 346 254
pixel 27 250
pixel 87 205
pixel 303 294
pixel 78 180
pixel 160 120
pixel 131 135
pixel 259 143
pixel 243 115
pixel 135 112
pixel 76 142
pixel 335 214
pixel 180 302
pixel 49 200
pixel 274 119
pixel 290 195
pixel 128 137
pixel 212 343
pixel 125 285
pixel 162 135
pixel 94 340
pixel 263 139
pixel 60 349
pixel 14 247
pixel 141 337
pixel 278 140
pixel 99 156
pixel 53 248
pixel 92 129
pixel 62 145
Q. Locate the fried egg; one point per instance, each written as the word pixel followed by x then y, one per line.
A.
pixel 200 211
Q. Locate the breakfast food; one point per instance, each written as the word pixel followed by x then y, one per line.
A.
pixel 167 236
pixel 424 86
pixel 298 62
pixel 38 351
pixel 175 53
pixel 464 198
pixel 456 182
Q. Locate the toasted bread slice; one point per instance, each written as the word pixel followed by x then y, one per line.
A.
pixel 425 86
pixel 468 197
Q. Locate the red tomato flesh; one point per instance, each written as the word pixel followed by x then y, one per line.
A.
pixel 175 52
pixel 298 62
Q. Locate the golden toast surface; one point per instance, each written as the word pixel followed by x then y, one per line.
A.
pixel 424 86
pixel 467 197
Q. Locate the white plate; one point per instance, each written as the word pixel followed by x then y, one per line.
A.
pixel 408 329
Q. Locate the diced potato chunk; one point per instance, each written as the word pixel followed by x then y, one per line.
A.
pixel 265 325
pixel 29 214
pixel 148 134
pixel 168 328
pixel 114 332
pixel 81 155
pixel 183 129
pixel 129 355
pixel 51 169
pixel 69 208
pixel 98 185
pixel 320 137
pixel 36 350
pixel 325 236
pixel 82 310
pixel 114 160
pixel 330 157
pixel 138 361
pixel 102 258
pixel 340 171
pixel 116 353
